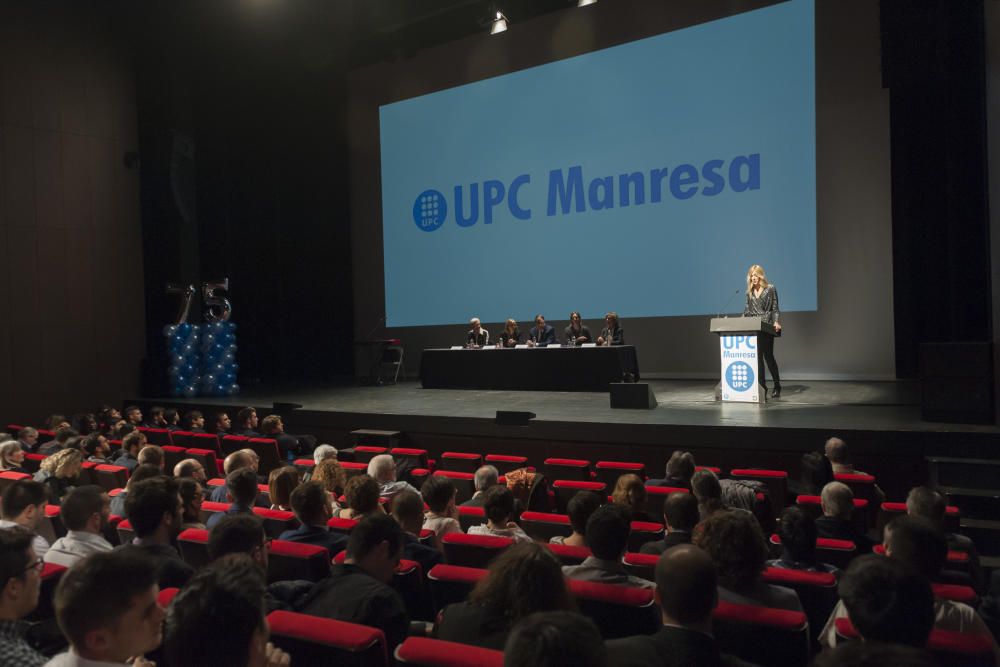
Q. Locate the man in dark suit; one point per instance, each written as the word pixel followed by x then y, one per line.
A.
pixel 686 592
pixel 273 427
pixel 312 508
pixel 246 423
pixel 680 513
pixel 408 511
pixel 542 334
pixel 241 489
pixel 837 501
pixel 485 477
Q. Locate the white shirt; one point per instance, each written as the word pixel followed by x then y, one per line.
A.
pixel 71 659
pixel 40 544
pixel 66 551
pixel 516 533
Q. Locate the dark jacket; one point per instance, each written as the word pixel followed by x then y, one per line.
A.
pixel 546 336
pixel 473 624
pixel 671 539
pixel 670 647
pixel 838 529
pixel 320 536
pixel 172 572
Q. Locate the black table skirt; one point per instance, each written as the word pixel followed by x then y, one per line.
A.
pixel 542 369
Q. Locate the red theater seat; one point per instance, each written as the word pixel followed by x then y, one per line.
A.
pixel 948 646
pixel 776 481
pixel 890 511
pixel 862 485
pixel 181 438
pixel 206 457
pixel 570 469
pixel 618 611
pixel 471 516
pixel 193 545
pixel 473 550
pixel 295 560
pixel 641 565
pixel 232 443
pixel 770 637
pixel 642 532
pixel 657 495
pixel 276 521
pixel 461 461
pixel 157 436
pixel 452 583
pixel 569 555
pixel 125 532
pixel 208 441
pixel 817 591
pixel 609 471
pixel 50 576
pixel 342 526
pixel 835 552
pixel 311 640
pixel 8 477
pixel 544 526
pixel 813 505
pixel 353 469
pixel 565 489
pixel 32 462
pixel 110 477
pixel 956 593
pixel 505 463
pixel 166 596
pixel 269 453
pixel 438 653
pixel 172 455
pixel 464 482
pixel 417 456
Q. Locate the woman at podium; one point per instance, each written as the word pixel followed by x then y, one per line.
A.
pixel 762 302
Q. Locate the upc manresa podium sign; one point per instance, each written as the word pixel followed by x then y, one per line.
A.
pixel 738 355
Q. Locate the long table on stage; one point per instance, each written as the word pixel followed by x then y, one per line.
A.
pixel 539 368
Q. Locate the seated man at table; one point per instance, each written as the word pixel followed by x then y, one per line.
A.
pixel 542 334
pixel 477 335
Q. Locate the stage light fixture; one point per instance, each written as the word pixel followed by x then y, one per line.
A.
pixel 499 24
pixel 584 3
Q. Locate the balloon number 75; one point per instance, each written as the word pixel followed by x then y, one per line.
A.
pixel 216 308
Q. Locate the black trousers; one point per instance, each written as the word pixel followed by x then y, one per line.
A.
pixel 765 354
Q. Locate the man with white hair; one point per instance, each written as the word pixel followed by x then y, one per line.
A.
pixel 477 336
pixel 837 501
pixel 382 469
pixel 485 477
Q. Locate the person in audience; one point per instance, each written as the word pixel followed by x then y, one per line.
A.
pixel 191 468
pixel 56 422
pixel 121 429
pixel 554 639
pixel 331 475
pixel 607 536
pixel 874 654
pixel 686 590
pixel 131 445
pixel 680 515
pixel 96 448
pixel 85 513
pixel 60 473
pixel 579 508
pixel 154 510
pixel 320 454
pixel 477 336
pixel 926 503
pixel 485 477
pixel 241 491
pixel 280 484
pixel 679 470
pixel 192 494
pixel 194 421
pixel 835 451
pixel 246 423
pixel 361 495
pixel 107 417
pixel 12 457
pixel 27 437
pixel 290 445
pixel 62 438
pixel 612 333
pixel 20 582
pixel 156 418
pixel 141 473
pixel 837 501
pixel 84 423
pixel 408 511
pixel 172 418
pixel 522 580
pixel 577 332
pixel 312 508
pixel 232 589
pixel 239 534
pixel 23 504
pixel 510 336
pixel 630 493
pixel 152 455
pixel 498 504
pixel 815 473
pixel 442 516
pixel 735 543
pixel 382 469
pixel 107 608
pixel 238 459
pixel 797 531
pixel 223 424
pixel 542 334
pixel 357 591
pixel 133 415
pixel 707 490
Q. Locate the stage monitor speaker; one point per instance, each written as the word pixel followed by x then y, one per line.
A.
pixel 637 395
pixel 513 418
pixel 957 382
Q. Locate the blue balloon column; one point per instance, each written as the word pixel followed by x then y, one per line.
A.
pixel 185 367
pixel 218 359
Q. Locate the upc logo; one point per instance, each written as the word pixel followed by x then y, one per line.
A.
pixel 429 210
pixel 739 376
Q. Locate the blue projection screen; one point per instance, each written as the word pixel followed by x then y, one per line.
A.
pixel 643 178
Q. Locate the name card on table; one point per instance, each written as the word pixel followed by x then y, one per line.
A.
pixel 588 345
pixel 457 347
pixel 522 347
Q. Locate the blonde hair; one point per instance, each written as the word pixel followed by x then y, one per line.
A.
pixel 57 464
pixel 6 449
pixel 630 492
pixel 331 475
pixel 759 270
pixel 613 316
pixel 511 326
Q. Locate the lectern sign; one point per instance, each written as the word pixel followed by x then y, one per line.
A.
pixel 739 368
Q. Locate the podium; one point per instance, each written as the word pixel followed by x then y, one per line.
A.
pixel 738 382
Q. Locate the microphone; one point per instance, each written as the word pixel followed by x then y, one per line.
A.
pixel 731 297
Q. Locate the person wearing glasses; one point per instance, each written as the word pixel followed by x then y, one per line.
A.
pixel 20 570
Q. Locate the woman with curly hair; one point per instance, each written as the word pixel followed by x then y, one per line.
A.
pixel 331 475
pixel 522 580
pixel 361 497
pixel 60 472
pixel 735 543
pixel 630 493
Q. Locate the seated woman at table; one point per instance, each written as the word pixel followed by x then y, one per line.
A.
pixel 510 336
pixel 612 334
pixel 477 336
pixel 542 334
pixel 577 332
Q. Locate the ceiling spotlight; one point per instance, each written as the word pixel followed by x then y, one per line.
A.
pixel 499 24
pixel 584 3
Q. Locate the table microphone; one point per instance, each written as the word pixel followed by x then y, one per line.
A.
pixel 733 296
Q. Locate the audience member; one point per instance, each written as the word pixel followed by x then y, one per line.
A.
pixel 84 423
pixel 357 591
pixel 361 497
pixel 522 580
pixel 797 531
pixel 194 421
pixel 835 450
pixel 735 543
pixel 631 494
pixel 312 508
pixel 85 513
pixel 555 639
pixel 246 423
pixel 686 590
pixel 154 510
pixel 27 437
pixel 120 429
pixel 874 654
pixel 485 477
pixel 607 536
pixel 55 422
pixel 579 508
pixel 815 473
pixel 928 504
pixel 96 448
pixel 680 515
pixel 229 592
pixel 235 461
pixel 382 469
pixel 107 608
pixel 131 445
pixel 192 495
pixel 141 473
pixel 280 484
pixel 152 455
pixel 680 470
pixel 223 424
pixel 59 442
pixel 20 568
pixel 23 504
pixel 107 417
pixel 59 473
pixel 290 445
pixel 133 415
pixel 331 475
pixel 156 418
pixel 324 452
pixel 191 468
pixel 241 491
pixel 498 504
pixel 12 457
pixel 707 490
pixel 439 493
pixel 408 511
pixel 172 418
pixel 837 501
pixel 239 534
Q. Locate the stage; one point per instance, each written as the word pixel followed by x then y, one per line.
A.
pixel 880 420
